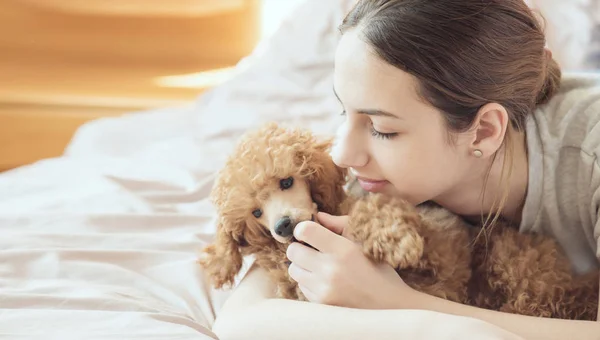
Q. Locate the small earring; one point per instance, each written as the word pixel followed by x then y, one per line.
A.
pixel 477 153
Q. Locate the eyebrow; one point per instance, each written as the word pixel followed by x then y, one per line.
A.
pixel 370 112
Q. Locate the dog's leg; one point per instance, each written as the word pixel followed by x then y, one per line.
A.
pixel 277 269
pixel 287 288
pixel 387 230
pixel 528 274
pixel 429 247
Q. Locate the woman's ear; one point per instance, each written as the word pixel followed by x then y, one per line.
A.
pixel 489 130
pixel 326 180
pixel 222 260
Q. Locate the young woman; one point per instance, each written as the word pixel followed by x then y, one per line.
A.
pixel 456 102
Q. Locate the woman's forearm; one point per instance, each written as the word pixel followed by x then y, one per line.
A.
pixel 293 320
pixel 526 326
pixel 252 313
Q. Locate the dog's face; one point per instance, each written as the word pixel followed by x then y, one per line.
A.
pixel 274 179
pixel 282 204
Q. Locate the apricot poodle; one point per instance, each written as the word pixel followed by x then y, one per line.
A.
pixel 278 177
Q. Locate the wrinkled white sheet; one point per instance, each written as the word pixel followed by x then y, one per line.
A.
pixel 104 248
pixel 101 243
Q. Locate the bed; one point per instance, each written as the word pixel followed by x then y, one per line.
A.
pixel 102 242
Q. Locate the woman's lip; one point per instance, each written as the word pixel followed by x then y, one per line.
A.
pixel 368 180
pixel 371 185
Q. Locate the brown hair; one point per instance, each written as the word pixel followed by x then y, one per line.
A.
pixel 464 54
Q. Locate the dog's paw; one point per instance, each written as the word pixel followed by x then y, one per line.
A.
pixel 400 250
pixel 388 229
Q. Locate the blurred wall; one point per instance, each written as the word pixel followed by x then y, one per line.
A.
pixel 64 62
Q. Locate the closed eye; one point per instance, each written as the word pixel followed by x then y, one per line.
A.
pixel 382 135
pixel 375 133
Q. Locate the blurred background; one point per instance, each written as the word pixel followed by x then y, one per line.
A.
pixel 64 62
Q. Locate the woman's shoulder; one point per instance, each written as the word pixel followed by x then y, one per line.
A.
pixel 563 140
pixel 572 117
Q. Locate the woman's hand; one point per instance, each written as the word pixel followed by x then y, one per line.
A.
pixel 338 273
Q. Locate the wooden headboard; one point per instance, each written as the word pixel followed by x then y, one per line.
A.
pixel 65 62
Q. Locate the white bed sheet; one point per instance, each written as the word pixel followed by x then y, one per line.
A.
pixel 105 248
pixel 101 243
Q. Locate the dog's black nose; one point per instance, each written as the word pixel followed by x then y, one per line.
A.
pixel 284 227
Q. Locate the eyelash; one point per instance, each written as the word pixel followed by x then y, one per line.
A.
pixel 376 133
pixel 380 135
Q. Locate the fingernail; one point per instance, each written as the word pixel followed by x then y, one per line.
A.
pixel 299 227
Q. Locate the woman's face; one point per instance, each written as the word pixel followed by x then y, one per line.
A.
pixel 390 139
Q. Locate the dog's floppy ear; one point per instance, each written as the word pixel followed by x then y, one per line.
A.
pixel 327 179
pixel 222 260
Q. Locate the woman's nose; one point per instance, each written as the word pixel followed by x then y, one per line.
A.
pixel 348 150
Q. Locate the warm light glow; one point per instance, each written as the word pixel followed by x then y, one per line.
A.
pixel 176 8
pixel 272 13
pixel 197 80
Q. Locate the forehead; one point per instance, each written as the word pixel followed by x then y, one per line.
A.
pixel 362 79
pixel 263 193
pixel 238 194
pixel 255 177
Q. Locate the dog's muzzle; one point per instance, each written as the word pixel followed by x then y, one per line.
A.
pixel 284 227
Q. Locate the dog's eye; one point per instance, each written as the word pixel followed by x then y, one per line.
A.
pixel 286 183
pixel 257 213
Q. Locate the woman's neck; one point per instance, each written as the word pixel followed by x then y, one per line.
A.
pixel 467 199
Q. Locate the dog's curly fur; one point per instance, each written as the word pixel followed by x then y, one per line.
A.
pixel 433 250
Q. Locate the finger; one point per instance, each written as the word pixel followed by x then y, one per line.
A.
pixel 305 257
pixel 337 224
pixel 298 273
pixel 303 277
pixel 308 294
pixel 318 236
